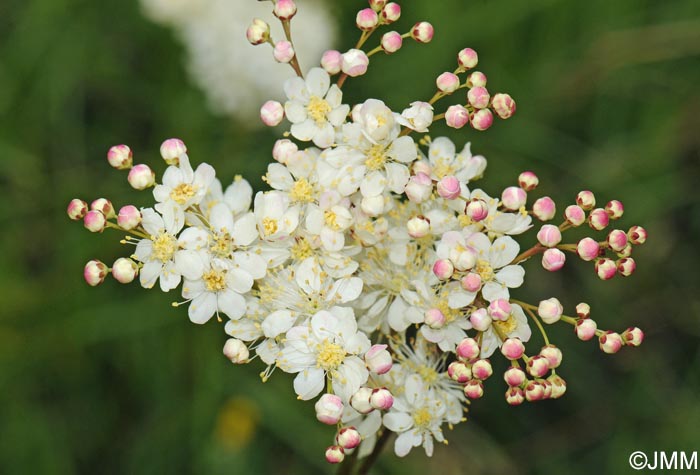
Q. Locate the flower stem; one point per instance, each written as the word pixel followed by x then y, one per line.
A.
pixel 371 458
pixel 536 249
pixel 294 63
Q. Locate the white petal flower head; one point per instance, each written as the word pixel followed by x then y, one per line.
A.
pixel 276 218
pixel 314 108
pixel 418 117
pixel 500 222
pixel 444 161
pixel 183 187
pixel 329 220
pixel 494 265
pixel 515 326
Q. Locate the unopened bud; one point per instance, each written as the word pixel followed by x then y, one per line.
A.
pixel 355 63
pixel 381 399
pixel 514 376
pixel 513 198
pixel 236 351
pixel 348 438
pixel 515 396
pixel 637 235
pixel 360 400
pixel 77 209
pixel 95 272
pixel 448 187
pixel 513 348
pixel 94 221
pixel 443 269
pixel 418 227
pixel 478 97
pixel 284 9
pixel 503 105
pixel 534 391
pixel 575 215
pixel 500 309
pixel 553 355
pixel 544 208
pixel 585 329
pixel 419 187
pixel 391 13
pixel 598 219
pixel 468 349
pixel 617 240
pixel 476 79
pixel 104 206
pixel 120 157
pixel 550 310
pixel 477 210
pixel 124 270
pixel 258 32
pixel 272 113
pixel 422 32
pixel 171 149
pixel 391 42
pixel 583 310
pixel 474 389
pixel 586 200
pixel 626 266
pixel 538 366
pixel 283 52
pixel 549 235
pixel 141 177
pixel 482 369
pixel 332 61
pixel 480 319
pixel 588 249
pixel 467 58
pixel 460 372
pixel 378 359
pixel 447 82
pixel 633 336
pixel 283 150
pixel 434 318
pixel 366 19
pixel 528 181
pixel 329 409
pixel 553 260
pixel 605 268
pixel 610 342
pixel 558 386
pixel 456 116
pixel 335 454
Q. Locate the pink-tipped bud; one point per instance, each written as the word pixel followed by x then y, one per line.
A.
pixel 104 206
pixel 422 32
pixel 94 221
pixel 588 249
pixel 471 283
pixel 617 240
pixel 477 210
pixel 633 336
pixel 478 97
pixel 258 32
pixel 480 320
pixel 355 63
pixel 418 227
pixel 120 157
pixel 391 13
pixel 575 215
pixel 549 235
pixel 558 386
pixel 377 5
pixel 141 177
pixel 605 268
pixel 476 79
pixel 283 150
pixel 419 188
pixel 503 105
pixel 482 369
pixel 434 318
pixel 348 438
pixel 615 209
pixel 443 269
pixel 366 19
pixel 171 149
pixel 284 9
pixel 583 310
pixel 467 58
pixel 360 400
pixel 586 200
pixel 534 391
pixel 515 396
pixel 627 251
pixel 236 351
pixel 456 116
pixel 124 270
pixel 500 309
pixel 550 310
pixel 129 217
pixel 460 372
pixel 378 359
pixel 391 42
pixel 637 235
pixel 95 272
pixel 553 260
pixel 538 366
pixel 514 376
pixel 513 348
pixel 381 399
pixel 585 329
pixel 626 266
pixel 329 409
pixel 447 82
pixel 77 209
pixel 610 342
pixel 544 208
pixel 421 166
pixel 474 389
pixel 448 187
pixel 598 219
pixel 553 355
pixel 468 349
pixel 547 388
pixel 514 198
pixel 283 52
pixel 332 61
pixel 528 181
pixel 272 113
pixel 335 454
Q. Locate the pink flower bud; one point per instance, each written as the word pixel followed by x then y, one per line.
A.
pixel 626 266
pixel 329 409
pixel 480 319
pixel 366 19
pixel 355 63
pixel 448 187
pixel 381 399
pixel 553 260
pixel 471 282
pixel 550 310
pixel 476 79
pixel 447 82
pixel 598 219
pixel 377 5
pixel 124 270
pixel 77 209
pixel 538 366
pixel 332 61
pixel 258 32
pixel 284 9
pixel 456 116
pixel 104 206
pixel 443 269
pixel 272 113
pixel 460 372
pixel 553 355
pixel 575 215
pixel 585 329
pixel 477 210
pixel 528 181
pixel 500 309
pixel 378 359
pixel 478 97
pixel 514 376
pixel 558 386
pixel 434 318
pixel 610 342
pixel 468 349
pixel 418 227
pixel 627 251
pixel 513 198
pixel 547 388
pixel 419 188
pixel 391 42
pixel 583 310
pixel 422 32
pixel 503 105
pixel 534 391
pixel 617 240
pixel 360 400
pixel 141 177
pixel 482 369
pixel 633 336
pixel 120 157
pixel 236 351
pixel 513 348
pixel 515 396
pixel 605 268
pixel 637 235
pixel 467 58
pixel 335 454
pixel 588 249
pixel 549 235
pixel 586 200
pixel 544 208
pixel 283 150
pixel 95 272
pixel 614 209
pixel 463 260
pixel 94 221
pixel 391 13
pixel 171 149
pixel 474 389
pixel 348 438
pixel 283 52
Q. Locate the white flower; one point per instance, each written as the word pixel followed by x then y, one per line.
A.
pixel 445 162
pixel 515 326
pixel 493 265
pixel 498 222
pixel 182 187
pixel 276 218
pixel 329 220
pixel 417 117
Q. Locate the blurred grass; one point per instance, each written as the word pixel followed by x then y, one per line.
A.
pixel 113 380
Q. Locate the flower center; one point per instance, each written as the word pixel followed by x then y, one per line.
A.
pixel 422 418
pixel 222 245
pixel 215 280
pixel 428 374
pixel 182 192
pixel 301 250
pixel 269 226
pixel 318 109
pixel 484 269
pixel 330 356
pixel 331 220
pixel 506 327
pixel 164 246
pixel 375 158
pixel 442 168
pixel 451 314
pixel 301 191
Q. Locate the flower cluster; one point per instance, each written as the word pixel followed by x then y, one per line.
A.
pixel 374 269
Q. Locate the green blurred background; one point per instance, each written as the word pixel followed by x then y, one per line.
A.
pixel 114 380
